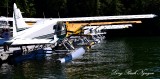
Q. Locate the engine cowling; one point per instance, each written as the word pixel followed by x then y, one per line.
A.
pixel 60 29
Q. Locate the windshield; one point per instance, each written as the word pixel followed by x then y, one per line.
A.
pixel 3 23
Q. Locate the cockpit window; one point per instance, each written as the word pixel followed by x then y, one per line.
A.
pixel 54 27
pixel 3 23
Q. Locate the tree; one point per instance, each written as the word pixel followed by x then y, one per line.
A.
pixel 27 7
pixel 4 7
pixel 53 8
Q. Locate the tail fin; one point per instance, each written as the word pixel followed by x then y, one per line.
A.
pixel 18 22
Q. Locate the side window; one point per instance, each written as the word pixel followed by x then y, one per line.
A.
pixel 64 26
pixel 54 27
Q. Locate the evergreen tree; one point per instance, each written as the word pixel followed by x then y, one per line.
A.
pixel 5 7
pixel 27 7
pixel 79 8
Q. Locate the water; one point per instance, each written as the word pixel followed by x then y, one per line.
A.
pixel 115 58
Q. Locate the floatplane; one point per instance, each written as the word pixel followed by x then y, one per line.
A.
pixel 69 38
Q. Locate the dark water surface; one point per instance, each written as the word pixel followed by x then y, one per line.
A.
pixel 116 58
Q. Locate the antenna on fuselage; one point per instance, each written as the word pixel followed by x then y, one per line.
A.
pixel 59 15
pixel 43 17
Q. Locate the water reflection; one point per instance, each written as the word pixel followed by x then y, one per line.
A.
pixel 119 54
pixel 33 70
pixel 112 54
pixel 146 54
pixel 5 71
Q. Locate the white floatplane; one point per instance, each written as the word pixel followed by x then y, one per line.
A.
pixel 48 35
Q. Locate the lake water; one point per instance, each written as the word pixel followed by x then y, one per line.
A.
pixel 114 58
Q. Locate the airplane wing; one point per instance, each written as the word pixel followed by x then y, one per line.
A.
pixel 118 17
pixel 44 32
pixel 141 16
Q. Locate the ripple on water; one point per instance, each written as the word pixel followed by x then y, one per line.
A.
pixel 120 54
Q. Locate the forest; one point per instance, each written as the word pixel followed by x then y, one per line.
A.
pixel 84 8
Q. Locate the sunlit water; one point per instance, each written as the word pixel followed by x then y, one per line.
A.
pixel 116 58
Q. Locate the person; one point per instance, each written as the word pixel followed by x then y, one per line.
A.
pixel 2 32
pixel 6 36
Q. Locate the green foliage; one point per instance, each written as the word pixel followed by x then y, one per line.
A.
pixel 83 8
pixel 5 8
pixel 111 7
pixel 78 8
pixel 27 7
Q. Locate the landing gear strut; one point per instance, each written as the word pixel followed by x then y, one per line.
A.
pixel 5 47
pixel 0 61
